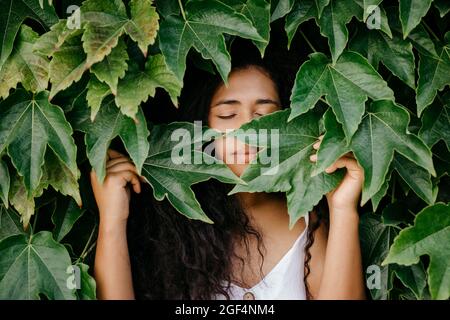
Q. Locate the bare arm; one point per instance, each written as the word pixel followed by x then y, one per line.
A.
pixel 336 267
pixel 112 268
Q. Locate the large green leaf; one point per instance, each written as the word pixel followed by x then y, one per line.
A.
pixel 67 212
pixel 436 122
pixel 290 171
pixel 171 173
pixel 203 26
pixel 430 235
pixel 33 265
pixel 301 12
pixel 346 84
pixel 386 122
pixel 138 84
pixel 23 65
pixel 30 124
pixel 395 53
pixel 68 63
pixel 106 21
pixel 258 12
pixel 411 12
pixel 109 124
pixel 376 238
pixel 13 13
pixel 113 66
pixel 434 75
pixel 333 23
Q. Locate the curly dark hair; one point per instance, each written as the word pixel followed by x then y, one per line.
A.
pixel 173 257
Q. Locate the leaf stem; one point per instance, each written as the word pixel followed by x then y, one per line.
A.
pixel 393 190
pixel 33 228
pixel 431 31
pixel 83 253
pixel 307 41
pixel 182 10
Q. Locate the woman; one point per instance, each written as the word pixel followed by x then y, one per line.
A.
pixel 249 252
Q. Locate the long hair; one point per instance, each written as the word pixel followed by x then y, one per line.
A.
pixel 173 257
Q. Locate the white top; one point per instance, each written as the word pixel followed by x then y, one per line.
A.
pixel 283 282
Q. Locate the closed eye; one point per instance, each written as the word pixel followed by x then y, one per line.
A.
pixel 227 116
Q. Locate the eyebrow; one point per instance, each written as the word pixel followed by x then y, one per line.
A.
pixel 258 101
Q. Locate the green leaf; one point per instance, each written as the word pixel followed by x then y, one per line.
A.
pixel 113 66
pixel 290 168
pixel 23 65
pixel 30 124
pixel 96 92
pixel 4 183
pixel 9 223
pixel 430 235
pixel 411 12
pixel 387 122
pixel 258 12
pixel 282 8
pixel 106 21
pixel 52 40
pixel 13 13
pixel 88 285
pixel 436 123
pixel 202 27
pixel 434 75
pixel 443 6
pixel 376 238
pixel 417 178
pixel 110 123
pixel 395 53
pixel 333 145
pixel 333 24
pixel 66 214
pixel 418 37
pixel 138 85
pixel 68 63
pixel 301 12
pixel 174 163
pixel 33 265
pixel 347 84
pixel 20 200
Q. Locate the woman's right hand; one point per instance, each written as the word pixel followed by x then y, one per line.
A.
pixel 113 195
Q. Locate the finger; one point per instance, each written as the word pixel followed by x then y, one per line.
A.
pixel 112 154
pixel 122 166
pixel 313 157
pixel 349 155
pixel 115 161
pixel 350 164
pixel 317 144
pixel 128 177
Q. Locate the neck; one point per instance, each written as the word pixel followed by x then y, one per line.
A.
pixel 260 206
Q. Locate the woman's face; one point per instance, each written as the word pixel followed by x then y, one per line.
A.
pixel 250 94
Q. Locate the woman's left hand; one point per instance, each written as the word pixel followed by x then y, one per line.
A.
pixel 347 194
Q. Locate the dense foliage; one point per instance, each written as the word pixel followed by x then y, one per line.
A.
pixel 375 81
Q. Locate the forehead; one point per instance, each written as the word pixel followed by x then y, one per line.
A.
pixel 250 82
